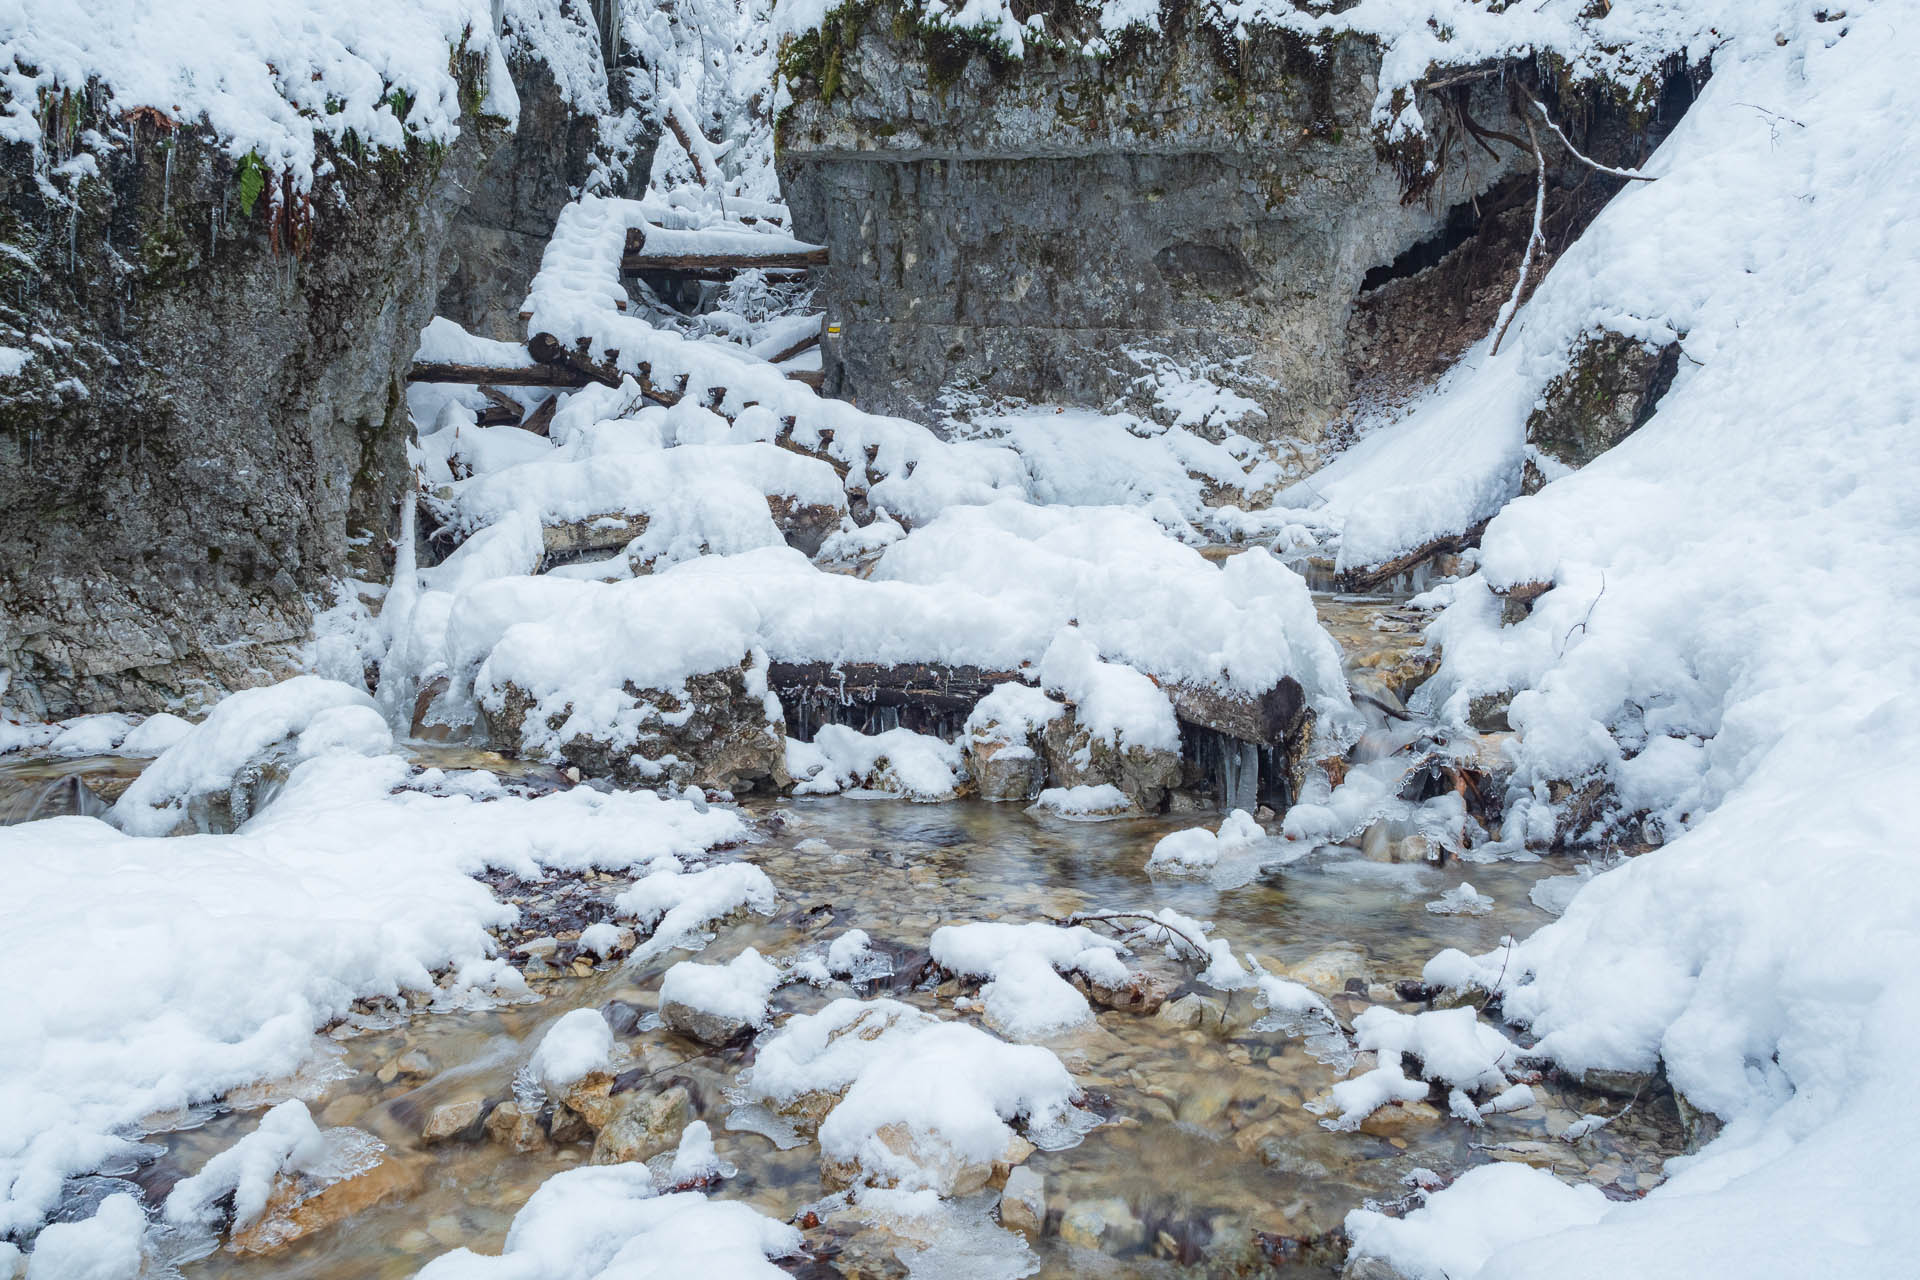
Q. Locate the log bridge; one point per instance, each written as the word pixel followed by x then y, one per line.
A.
pixel 785 264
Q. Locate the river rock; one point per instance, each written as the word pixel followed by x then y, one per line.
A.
pixel 1005 770
pixel 518 1131
pixel 1076 758
pixel 704 1025
pixel 1107 1224
pixel 1397 1119
pixel 591 1097
pixel 1023 1204
pixel 1611 386
pixel 714 732
pixel 947 1172
pixel 646 1125
pixel 1328 970
pixel 296 1208
pixel 453 1120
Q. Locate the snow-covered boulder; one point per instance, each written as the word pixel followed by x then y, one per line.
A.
pixel 604 1221
pixel 904 1099
pixel 898 762
pixel 716 1003
pixel 219 774
pixel 1003 742
pixel 1025 996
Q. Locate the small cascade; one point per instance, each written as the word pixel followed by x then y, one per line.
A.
pixel 31 799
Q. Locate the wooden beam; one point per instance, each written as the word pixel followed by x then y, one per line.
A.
pixel 502 409
pixel 537 375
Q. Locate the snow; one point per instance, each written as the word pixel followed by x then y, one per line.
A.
pixel 1197 849
pixel 1486 1209
pixel 1360 1097
pixel 110 1245
pixel 695 1159
pixel 316 714
pixel 736 990
pixel 286 1139
pixel 1025 997
pixel 1461 900
pixel 899 762
pixel 951 1089
pixel 578 1043
pixel 604 1222
pixel 1085 803
pixel 203 963
pixel 677 904
pixel 265 82
pixel 1453 1045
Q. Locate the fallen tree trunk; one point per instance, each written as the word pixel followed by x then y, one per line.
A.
pixel 1367 577
pixel 536 375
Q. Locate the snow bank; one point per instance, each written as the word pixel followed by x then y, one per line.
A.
pixel 203 963
pixel 1486 1209
pixel 267 82
pixel 605 1223
pixel 308 714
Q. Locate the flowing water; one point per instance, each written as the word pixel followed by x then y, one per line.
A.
pixel 1208 1163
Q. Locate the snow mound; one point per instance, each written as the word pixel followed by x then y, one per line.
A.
pixel 924 1103
pixel 578 1043
pixel 604 1222
pixel 1025 997
pixel 679 904
pixel 897 762
pixel 1084 803
pixel 1197 849
pixel 1486 1209
pixel 736 991
pixel 301 717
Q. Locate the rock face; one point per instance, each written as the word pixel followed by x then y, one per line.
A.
pixel 1075 758
pixel 1017 228
pixel 211 429
pixel 713 733
pixel 1611 387
pixel 217 417
pixel 503 228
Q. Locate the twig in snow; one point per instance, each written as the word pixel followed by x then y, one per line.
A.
pixel 1533 239
pixel 1110 917
pixel 1506 953
pixel 1574 151
pixel 1582 624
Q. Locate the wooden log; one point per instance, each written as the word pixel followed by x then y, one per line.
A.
pixel 537 375
pixel 947 690
pixel 1270 719
pixel 1367 577
pixel 502 409
pixel 540 421
pixel 815 378
pixel 787 353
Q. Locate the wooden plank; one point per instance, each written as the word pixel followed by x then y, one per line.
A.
pixel 1270 719
pixel 540 421
pixel 502 409
pixel 787 353
pixel 1367 577
pixel 537 375
pixel 815 378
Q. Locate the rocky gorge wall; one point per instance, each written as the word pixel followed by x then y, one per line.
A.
pixel 210 430
pixel 1003 228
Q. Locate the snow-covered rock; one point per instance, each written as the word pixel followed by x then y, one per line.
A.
pixel 715 1003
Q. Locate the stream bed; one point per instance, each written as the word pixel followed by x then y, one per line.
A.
pixel 1208 1160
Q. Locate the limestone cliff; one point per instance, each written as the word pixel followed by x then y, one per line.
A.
pixel 1008 227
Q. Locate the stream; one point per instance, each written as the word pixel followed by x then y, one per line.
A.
pixel 1208 1161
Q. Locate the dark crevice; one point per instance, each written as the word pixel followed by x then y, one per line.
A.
pixel 1462 223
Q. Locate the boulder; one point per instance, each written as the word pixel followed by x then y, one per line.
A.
pixel 713 733
pixel 646 1125
pixel 1023 1204
pixel 1076 758
pixel 517 1130
pixel 453 1120
pixel 1610 387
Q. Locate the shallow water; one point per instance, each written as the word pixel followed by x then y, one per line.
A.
pixel 1210 1164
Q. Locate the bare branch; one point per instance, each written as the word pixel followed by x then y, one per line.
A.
pixel 1533 239
pixel 1153 922
pixel 1574 151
